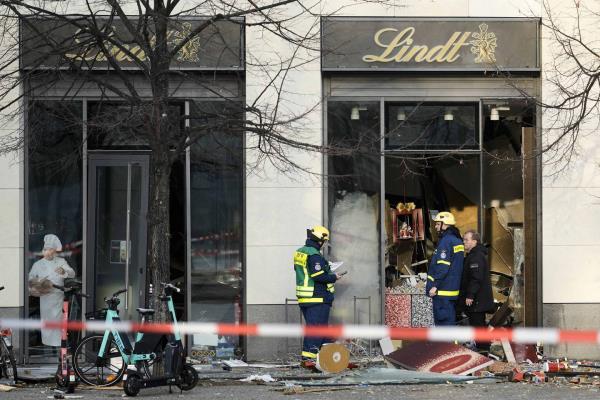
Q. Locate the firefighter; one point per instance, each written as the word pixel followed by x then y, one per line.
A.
pixel 314 288
pixel 445 270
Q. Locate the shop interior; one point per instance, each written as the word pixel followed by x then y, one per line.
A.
pixel 437 159
pixel 434 157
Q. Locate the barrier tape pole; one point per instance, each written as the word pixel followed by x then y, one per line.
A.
pixel 433 334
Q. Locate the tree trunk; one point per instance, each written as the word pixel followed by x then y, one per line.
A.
pixel 160 163
pixel 158 227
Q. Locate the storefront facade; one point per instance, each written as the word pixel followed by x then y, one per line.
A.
pixel 446 142
pixel 87 177
pixel 434 124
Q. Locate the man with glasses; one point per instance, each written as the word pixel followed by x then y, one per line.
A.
pixel 476 297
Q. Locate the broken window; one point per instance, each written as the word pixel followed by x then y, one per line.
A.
pixel 353 131
pixel 503 200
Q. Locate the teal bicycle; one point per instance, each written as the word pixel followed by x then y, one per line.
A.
pixel 101 360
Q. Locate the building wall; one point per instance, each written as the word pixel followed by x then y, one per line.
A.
pixel 11 200
pixel 571 277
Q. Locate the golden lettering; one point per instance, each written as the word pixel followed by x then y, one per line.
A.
pixel 401 53
pixel 419 52
pixel 124 52
pixel 453 56
pixel 389 48
pixel 118 54
pixel 438 53
pixel 401 49
pixel 138 52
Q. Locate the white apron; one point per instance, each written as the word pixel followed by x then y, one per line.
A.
pixel 51 304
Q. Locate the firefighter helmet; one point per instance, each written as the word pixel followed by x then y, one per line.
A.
pixel 445 217
pixel 319 233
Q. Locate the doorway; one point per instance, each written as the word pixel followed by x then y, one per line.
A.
pixel 117 229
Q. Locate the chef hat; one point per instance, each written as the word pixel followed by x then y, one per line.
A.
pixel 52 242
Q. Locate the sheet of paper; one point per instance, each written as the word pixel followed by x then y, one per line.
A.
pixel 205 339
pixel 335 265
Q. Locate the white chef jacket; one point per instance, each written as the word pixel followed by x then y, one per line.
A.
pixel 51 304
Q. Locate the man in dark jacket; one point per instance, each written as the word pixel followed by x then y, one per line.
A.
pixel 476 297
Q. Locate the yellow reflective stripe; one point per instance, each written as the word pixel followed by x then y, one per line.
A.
pixel 443 262
pixel 308 354
pixel 458 248
pixel 305 275
pixel 448 292
pixel 317 274
pixel 304 291
pixel 311 300
pixel 430 278
pixel 300 259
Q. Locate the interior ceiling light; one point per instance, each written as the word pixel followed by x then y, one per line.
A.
pixel 448 116
pixel 494 115
pixel 401 115
pixel 355 114
pixel 495 111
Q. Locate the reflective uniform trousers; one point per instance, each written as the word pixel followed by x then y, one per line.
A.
pixel 444 312
pixel 317 314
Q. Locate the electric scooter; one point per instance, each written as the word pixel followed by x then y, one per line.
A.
pixel 176 371
pixel 65 375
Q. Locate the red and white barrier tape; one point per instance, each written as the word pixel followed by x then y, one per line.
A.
pixel 434 334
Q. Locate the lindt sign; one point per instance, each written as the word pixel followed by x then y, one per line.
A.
pixel 427 44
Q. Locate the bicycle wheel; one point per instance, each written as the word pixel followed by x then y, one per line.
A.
pixel 94 370
pixel 8 364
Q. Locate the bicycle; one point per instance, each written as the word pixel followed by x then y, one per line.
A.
pixel 101 360
pixel 8 364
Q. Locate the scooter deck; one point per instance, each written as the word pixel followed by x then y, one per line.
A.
pixel 158 381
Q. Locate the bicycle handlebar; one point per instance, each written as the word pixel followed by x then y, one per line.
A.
pixel 115 294
pixel 113 301
pixel 63 289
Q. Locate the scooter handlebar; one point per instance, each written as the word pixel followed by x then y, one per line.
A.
pixel 170 286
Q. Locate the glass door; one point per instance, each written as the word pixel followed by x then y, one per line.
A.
pixel 116 254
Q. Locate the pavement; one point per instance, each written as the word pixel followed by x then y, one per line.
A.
pixel 216 383
pixel 238 390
